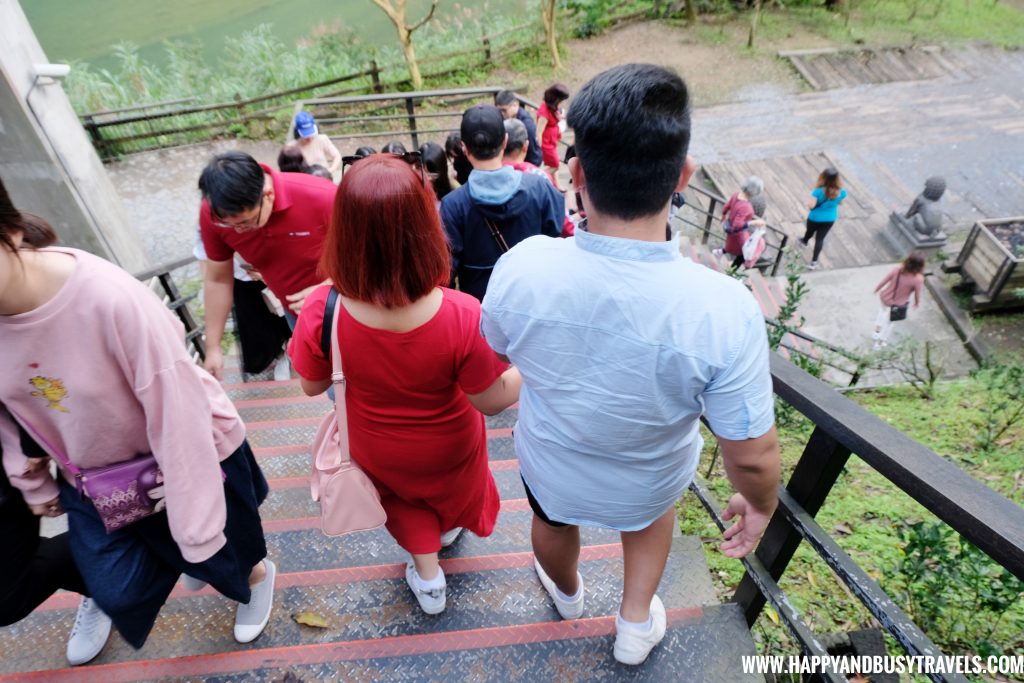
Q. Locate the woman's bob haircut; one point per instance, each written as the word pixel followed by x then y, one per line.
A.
pixel 385 245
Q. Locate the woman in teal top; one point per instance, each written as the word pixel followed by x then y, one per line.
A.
pixel 826 197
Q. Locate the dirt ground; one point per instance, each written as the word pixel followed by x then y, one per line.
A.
pixel 708 56
pixel 714 73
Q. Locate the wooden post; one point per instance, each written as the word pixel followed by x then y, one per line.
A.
pixel 410 108
pixel 815 474
pixel 487 46
pixel 96 136
pixel 375 76
pixel 709 221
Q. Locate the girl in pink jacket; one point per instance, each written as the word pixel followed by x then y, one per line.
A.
pixel 896 288
pixel 95 369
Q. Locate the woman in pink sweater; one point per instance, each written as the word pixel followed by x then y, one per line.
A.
pixel 896 287
pixel 95 368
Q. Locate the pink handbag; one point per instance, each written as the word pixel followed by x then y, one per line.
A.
pixel 349 501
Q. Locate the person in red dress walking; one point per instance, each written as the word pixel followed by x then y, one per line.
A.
pixel 550 117
pixel 418 372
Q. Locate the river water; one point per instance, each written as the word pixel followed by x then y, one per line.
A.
pixel 85 30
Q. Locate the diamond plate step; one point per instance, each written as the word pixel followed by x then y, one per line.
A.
pixel 281 469
pixel 293 440
pixel 293 499
pixel 705 646
pixel 368 603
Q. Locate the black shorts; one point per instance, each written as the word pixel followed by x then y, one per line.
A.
pixel 537 510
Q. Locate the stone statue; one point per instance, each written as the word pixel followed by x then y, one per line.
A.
pixel 924 215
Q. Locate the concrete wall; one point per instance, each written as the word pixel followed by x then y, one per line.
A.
pixel 46 160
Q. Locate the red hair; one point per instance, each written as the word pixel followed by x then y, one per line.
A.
pixel 385 245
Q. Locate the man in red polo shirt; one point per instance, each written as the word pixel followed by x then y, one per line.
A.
pixel 275 221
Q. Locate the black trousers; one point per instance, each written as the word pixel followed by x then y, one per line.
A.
pixel 818 229
pixel 33 568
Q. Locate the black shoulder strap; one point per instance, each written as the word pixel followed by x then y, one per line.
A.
pixel 325 333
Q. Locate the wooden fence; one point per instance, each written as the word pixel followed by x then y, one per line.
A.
pixel 135 129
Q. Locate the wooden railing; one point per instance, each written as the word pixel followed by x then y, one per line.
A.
pixel 134 129
pixel 397 115
pixel 987 519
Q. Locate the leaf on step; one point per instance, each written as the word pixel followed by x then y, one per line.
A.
pixel 310 619
pixel 842 529
pixel 812 579
pixel 772 615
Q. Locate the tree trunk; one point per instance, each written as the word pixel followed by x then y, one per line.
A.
pixel 753 23
pixel 405 38
pixel 548 15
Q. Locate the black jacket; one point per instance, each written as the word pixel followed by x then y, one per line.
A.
pixel 536 208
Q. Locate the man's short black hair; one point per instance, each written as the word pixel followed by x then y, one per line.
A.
pixel 504 97
pixel 632 126
pixel 232 183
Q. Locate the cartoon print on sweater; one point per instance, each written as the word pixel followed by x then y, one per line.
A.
pixel 52 389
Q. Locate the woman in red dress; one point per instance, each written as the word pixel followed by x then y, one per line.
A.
pixel 549 130
pixel 418 372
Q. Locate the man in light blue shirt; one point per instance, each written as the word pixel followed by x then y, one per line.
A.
pixel 622 345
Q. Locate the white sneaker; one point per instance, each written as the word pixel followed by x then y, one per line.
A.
pixel 192 584
pixel 89 634
pixel 566 609
pixel 282 369
pixel 813 265
pixel 632 645
pixel 252 617
pixel 449 537
pixel 432 600
pixel 801 242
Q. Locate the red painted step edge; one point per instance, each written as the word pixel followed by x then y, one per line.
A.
pixel 298 655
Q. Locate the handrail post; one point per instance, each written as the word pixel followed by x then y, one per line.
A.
pixel 183 313
pixel 778 254
pixel 709 221
pixel 410 108
pixel 375 76
pixel 815 474
pixel 96 136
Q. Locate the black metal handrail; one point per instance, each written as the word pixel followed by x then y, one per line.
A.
pixel 985 518
pixel 161 276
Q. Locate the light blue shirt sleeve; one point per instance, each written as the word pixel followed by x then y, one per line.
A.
pixel 490 327
pixel 738 401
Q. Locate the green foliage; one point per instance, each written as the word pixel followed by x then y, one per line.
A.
pixel 952 590
pixel 257 63
pixel 1004 387
pixel 916 361
pixel 796 289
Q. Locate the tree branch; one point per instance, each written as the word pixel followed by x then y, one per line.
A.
pixel 430 15
pixel 389 10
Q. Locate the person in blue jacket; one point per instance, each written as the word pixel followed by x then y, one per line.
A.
pixel 826 197
pixel 497 208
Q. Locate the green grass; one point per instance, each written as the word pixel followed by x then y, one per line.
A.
pixel 886 22
pixel 864 509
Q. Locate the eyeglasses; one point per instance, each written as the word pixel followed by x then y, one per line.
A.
pixel 414 159
pixel 247 224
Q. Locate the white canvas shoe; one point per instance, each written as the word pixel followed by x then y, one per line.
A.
pixel 566 609
pixel 252 617
pixel 432 600
pixel 632 646
pixel 89 634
